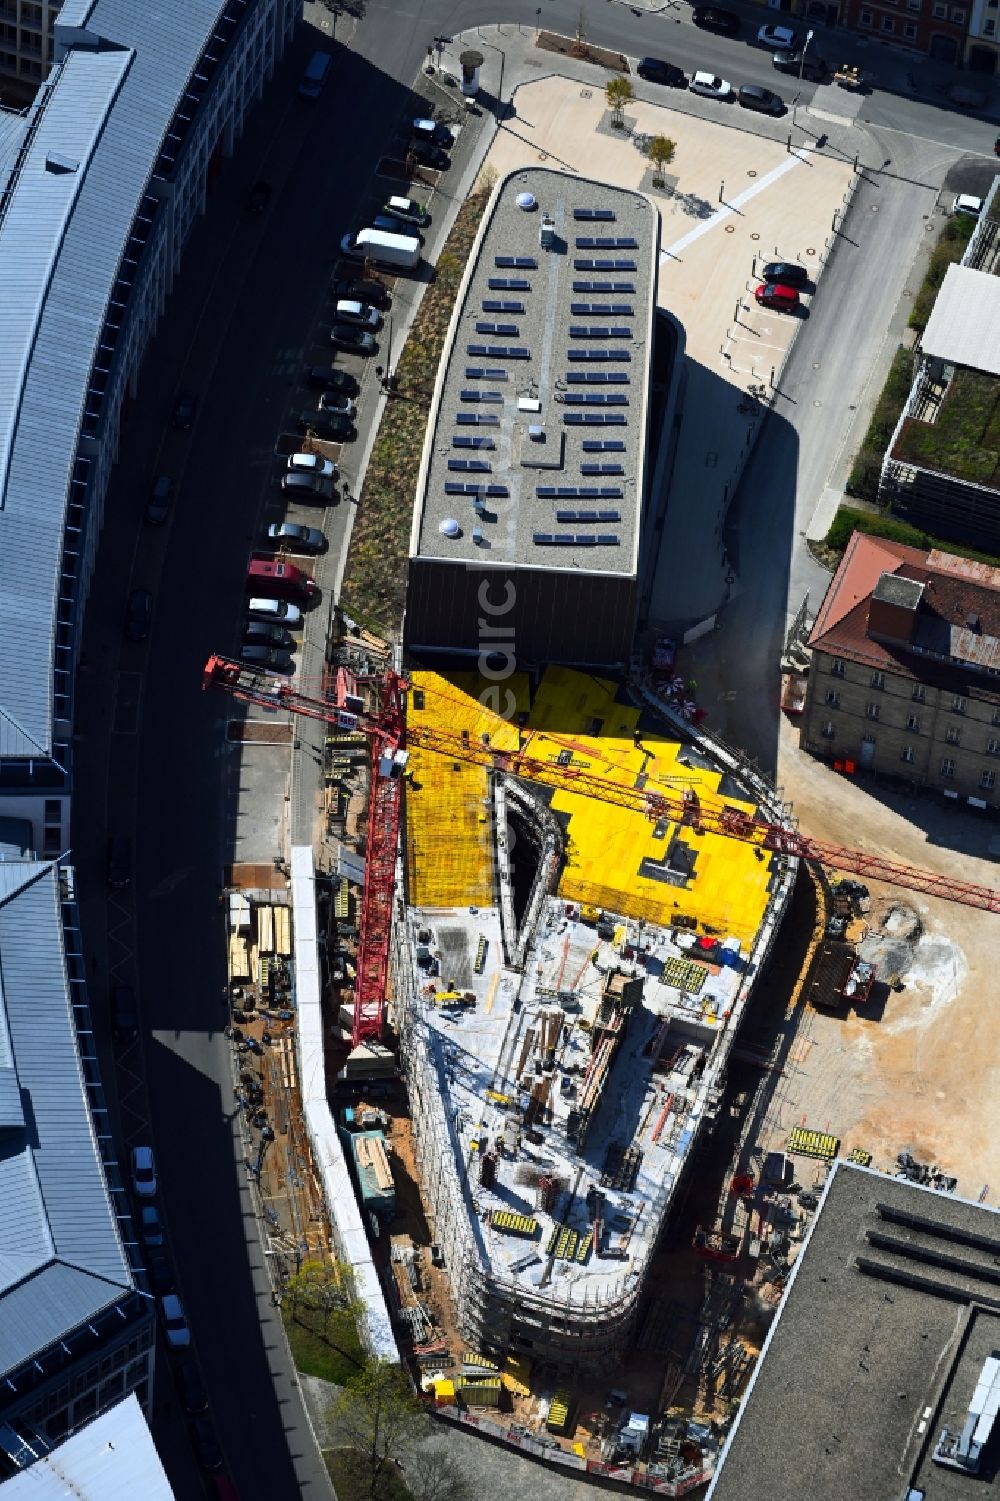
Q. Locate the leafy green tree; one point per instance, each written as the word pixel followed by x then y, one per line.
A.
pixel 321 1287
pixel 661 153
pixel 618 91
pixel 374 1416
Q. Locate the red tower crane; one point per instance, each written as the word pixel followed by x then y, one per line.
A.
pixel 388 731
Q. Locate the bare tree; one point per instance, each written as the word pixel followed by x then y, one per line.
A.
pixel 433 1475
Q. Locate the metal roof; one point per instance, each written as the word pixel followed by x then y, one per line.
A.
pixel 964 326
pixel 61 1259
pixel 106 110
pixel 113 1458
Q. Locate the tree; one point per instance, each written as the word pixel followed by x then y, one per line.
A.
pixel 321 1287
pixel 661 153
pixel 433 1475
pixel 373 1416
pixel 618 91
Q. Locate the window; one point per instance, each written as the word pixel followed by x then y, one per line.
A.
pixel 837 668
pixel 906 754
pixel 993 747
pixel 913 4
pixel 913 722
pixel 996 716
pixel 871 710
pixel 952 735
pixel 959 704
pixel 827 730
pixel 941 12
pixel 833 699
pixel 989 28
pixel 888 24
pixel 878 679
pixel 987 780
pixel 919 695
pixel 909 31
pixel 947 767
pixel 865 18
pixel 958 14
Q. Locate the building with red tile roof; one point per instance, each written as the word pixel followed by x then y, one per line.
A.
pixel 905 672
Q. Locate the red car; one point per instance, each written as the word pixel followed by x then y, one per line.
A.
pixel 774 294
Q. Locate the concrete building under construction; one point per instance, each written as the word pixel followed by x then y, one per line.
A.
pixel 569 980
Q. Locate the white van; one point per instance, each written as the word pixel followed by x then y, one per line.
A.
pixel 385 249
pixel 314 77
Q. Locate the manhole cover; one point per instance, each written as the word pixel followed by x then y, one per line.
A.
pixel 730 229
pixel 586 93
pixel 810 251
pixel 755 237
pixel 751 173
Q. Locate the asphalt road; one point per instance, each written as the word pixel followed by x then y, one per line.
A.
pixel 151 757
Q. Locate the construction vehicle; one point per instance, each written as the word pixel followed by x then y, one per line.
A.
pixel 656 799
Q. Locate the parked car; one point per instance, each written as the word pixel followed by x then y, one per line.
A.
pixel 752 96
pixel 311 463
pixel 332 401
pixel 206 1445
pixel 267 657
pixel 390 225
pixel 355 340
pixel 329 378
pixel 138 614
pixel 143 1172
pixel 150 1225
pixel 359 313
pixel 119 862
pixel 432 130
pixel 408 210
pixel 158 504
pixel 712 18
pixel 332 426
pixel 161 1275
pixel 124 1019
pixel 363 289
pixel 655 70
pixel 774 294
pixel 192 1393
pixel 429 155
pixel 259 197
pixel 778 38
pixel 786 272
pixel 295 538
pixel 274 611
pixel 812 67
pixel 175 1327
pixel 184 409
pixel 260 633
pixel 711 86
pixel 307 486
pixel 967 203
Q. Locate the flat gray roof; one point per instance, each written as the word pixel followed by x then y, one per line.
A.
pixel 61 1257
pixel 559 338
pixel 964 325
pixel 892 1307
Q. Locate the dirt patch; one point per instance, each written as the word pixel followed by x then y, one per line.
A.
pixel 254 732
pixel 584 51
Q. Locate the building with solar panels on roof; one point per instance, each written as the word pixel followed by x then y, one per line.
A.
pixel 529 509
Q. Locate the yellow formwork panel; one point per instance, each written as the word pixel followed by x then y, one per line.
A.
pixel 449 860
pixel 606 843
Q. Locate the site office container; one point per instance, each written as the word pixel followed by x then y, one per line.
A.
pixel 277 580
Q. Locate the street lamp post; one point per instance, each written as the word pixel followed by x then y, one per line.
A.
pixel 802 63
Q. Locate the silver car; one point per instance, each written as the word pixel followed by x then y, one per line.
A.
pixel 295 538
pixel 362 313
pixel 309 485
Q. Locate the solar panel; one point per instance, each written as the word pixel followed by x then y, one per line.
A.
pixel 603 445
pixel 602 264
pixel 541 537
pixel 576 515
pixel 507 351
pixel 463 440
pixel 477 349
pixel 576 492
pixel 603 309
pixel 486 372
pixel 597 377
pixel 495 490
pixel 602 469
pixel 473 394
pixel 470 466
pixel 585 539
pixel 609 515
pixel 502 305
pixel 622 356
pixel 595 399
pixel 593 213
pixel 518 262
pixel 597 331
pixel 616 242
pixel 483 418
pixel 604 286
pixel 607 540
pixel 483 327
pixel 509 284
pixel 594 419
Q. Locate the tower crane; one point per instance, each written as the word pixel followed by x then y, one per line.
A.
pixel 657 799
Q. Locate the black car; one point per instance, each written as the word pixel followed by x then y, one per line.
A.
pixel 711 18
pixel 259 197
pixel 354 340
pixel 432 130
pixel 332 426
pixel 161 1275
pixel 813 68
pixel 124 1019
pixel 192 1393
pixel 429 155
pixel 206 1445
pixel 361 289
pixel 785 273
pixel 655 70
pixel 158 504
pixel 138 614
pixel 329 378
pixel 752 96
pixel 119 862
pixel 184 409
